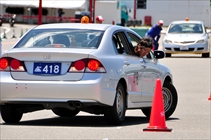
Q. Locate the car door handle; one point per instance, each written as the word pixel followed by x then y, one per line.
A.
pixel 126 63
pixel 144 66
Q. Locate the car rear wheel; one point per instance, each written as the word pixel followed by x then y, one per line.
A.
pixel 116 114
pixel 63 112
pixel 10 114
pixel 168 54
pixel 169 100
pixel 205 54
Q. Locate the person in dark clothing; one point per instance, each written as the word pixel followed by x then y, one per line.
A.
pixel 60 13
pixel 154 32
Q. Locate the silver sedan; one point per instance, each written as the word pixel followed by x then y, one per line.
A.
pixel 186 37
pixel 73 67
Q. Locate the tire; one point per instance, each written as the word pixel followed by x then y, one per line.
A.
pixel 10 114
pixel 115 114
pixel 63 112
pixel 169 101
pixel 205 54
pixel 168 54
pixel 122 22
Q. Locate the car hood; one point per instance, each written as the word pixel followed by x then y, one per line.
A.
pixel 184 37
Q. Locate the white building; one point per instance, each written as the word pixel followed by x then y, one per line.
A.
pixel 167 10
pixel 170 10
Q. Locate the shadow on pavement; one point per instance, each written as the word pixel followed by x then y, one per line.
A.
pixel 83 121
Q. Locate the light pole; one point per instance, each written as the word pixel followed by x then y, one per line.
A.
pixel 90 10
pixel 40 13
pixel 134 13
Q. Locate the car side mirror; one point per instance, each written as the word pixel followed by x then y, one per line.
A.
pixel 158 54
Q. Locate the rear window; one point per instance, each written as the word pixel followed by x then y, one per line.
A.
pixel 61 38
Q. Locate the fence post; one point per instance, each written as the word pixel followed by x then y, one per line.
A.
pixel 5 37
pixel 21 33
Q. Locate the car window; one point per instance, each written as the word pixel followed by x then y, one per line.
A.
pixel 121 43
pixel 186 28
pixel 61 38
pixel 133 39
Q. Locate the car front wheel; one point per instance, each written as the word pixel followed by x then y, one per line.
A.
pixel 205 54
pixel 168 54
pixel 169 100
pixel 10 114
pixel 116 114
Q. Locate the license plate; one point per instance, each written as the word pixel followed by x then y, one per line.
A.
pixel 184 48
pixel 47 68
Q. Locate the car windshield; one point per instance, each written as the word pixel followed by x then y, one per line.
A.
pixel 186 28
pixel 61 38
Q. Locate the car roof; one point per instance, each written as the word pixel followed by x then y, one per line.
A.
pixel 183 21
pixel 91 26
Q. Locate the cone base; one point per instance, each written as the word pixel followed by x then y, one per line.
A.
pixel 209 98
pixel 157 130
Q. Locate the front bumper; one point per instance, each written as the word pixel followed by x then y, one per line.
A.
pixel 181 48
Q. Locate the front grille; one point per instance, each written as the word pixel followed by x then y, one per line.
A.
pixel 178 49
pixel 184 42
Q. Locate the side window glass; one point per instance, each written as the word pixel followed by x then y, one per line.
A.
pixel 123 46
pixel 133 39
pixel 117 42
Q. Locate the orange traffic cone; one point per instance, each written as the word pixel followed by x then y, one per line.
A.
pixel 209 97
pixel 157 117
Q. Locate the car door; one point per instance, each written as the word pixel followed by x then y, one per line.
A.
pixel 150 74
pixel 131 68
pixel 134 79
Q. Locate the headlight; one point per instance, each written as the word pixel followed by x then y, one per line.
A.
pixel 167 41
pixel 202 41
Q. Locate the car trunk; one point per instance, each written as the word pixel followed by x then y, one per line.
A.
pixel 48 64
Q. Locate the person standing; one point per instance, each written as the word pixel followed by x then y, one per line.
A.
pixel 154 32
pixel 99 19
pixel 60 13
